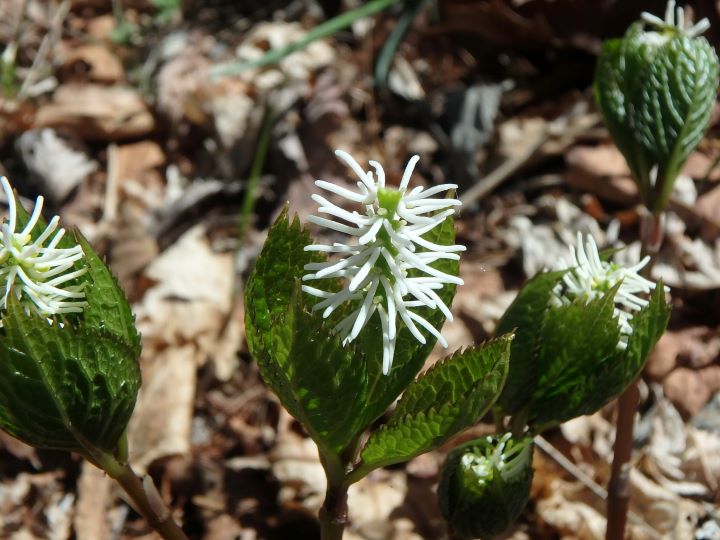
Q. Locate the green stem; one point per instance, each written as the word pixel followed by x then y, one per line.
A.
pixel 321 31
pixel 384 62
pixel 255 173
pixel 333 514
pixel 145 496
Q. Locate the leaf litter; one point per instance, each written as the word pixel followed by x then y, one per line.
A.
pixel 137 144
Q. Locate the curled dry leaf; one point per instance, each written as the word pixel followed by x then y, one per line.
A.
pixel 94 112
pixel 94 62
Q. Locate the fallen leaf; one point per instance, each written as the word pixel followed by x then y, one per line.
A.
pixel 94 497
pixel 94 112
pixel 95 62
pixel 56 167
pixel 687 390
pixel 162 421
pixel 180 318
pixel 602 171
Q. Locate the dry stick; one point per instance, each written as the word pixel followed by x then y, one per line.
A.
pixel 502 172
pixel 544 445
pixel 557 128
pixel 651 235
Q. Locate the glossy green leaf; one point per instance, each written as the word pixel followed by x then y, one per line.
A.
pixel 70 383
pixel 335 391
pixel 318 381
pixel 575 341
pixel 448 398
pixel 614 83
pixel 568 362
pixel 595 387
pixel 108 310
pixel 525 313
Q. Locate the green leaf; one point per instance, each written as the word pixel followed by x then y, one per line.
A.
pixel 673 106
pixel 577 341
pixel 64 388
pixel 272 283
pixel 525 314
pixel 611 378
pixel 410 354
pixel 595 385
pixel 323 384
pixel 614 82
pixel 565 360
pixel 450 397
pixel 319 382
pixel 301 359
pixel 70 384
pixel 108 309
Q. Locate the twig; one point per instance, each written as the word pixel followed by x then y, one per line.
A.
pixel 577 473
pixel 502 172
pixel 555 129
pixel 544 445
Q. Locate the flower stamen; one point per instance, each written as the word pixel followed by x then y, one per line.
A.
pixel 389 246
pixel 34 272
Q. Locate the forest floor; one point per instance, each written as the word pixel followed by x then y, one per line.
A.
pixel 118 113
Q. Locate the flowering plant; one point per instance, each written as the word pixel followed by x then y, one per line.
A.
pixel 583 335
pixel 656 89
pixel 69 351
pixel 69 372
pixel 338 364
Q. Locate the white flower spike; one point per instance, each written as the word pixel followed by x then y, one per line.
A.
pixel 589 277
pixel 386 244
pixel 34 271
pixel 675 20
